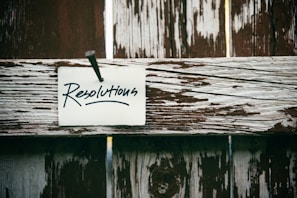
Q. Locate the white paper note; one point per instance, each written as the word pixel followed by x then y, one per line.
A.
pixel 118 100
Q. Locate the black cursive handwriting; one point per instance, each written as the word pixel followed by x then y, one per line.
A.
pixel 74 93
pixel 114 101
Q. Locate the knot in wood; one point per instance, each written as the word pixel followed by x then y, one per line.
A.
pixel 165 179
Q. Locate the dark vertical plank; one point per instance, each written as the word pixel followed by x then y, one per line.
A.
pixel 51 29
pixel 263 28
pixel 170 167
pixel 265 166
pixel 283 27
pixel 174 28
pixel 52 167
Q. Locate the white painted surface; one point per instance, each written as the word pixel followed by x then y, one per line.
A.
pixel 118 100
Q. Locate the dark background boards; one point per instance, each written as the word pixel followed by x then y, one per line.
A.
pixel 163 166
pixel 51 29
pixel 52 167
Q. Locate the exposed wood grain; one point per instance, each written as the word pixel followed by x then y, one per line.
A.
pixel 51 29
pixel 187 96
pixel 264 27
pixel 173 28
pixel 265 166
pixel 147 29
pixel 170 167
pixel 52 167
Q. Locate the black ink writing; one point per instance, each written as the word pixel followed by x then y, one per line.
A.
pixel 114 101
pixel 76 94
pixel 67 95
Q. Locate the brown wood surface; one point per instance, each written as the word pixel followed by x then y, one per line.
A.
pixel 186 96
pixel 173 28
pixel 263 28
pixel 200 166
pixel 265 166
pixel 170 167
pixel 180 28
pixel 52 167
pixel 51 28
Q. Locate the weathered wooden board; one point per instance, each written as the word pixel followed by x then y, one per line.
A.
pixel 51 28
pixel 188 96
pixel 265 166
pixel 173 28
pixel 263 27
pixel 147 28
pixel 170 167
pixel 52 167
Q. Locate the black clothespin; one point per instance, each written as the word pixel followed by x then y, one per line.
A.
pixel 91 56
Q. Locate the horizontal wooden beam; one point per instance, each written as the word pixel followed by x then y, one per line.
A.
pixel 254 95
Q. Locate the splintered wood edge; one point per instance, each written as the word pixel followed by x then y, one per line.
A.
pixel 255 95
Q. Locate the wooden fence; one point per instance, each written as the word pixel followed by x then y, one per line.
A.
pixel 215 127
pixel 146 28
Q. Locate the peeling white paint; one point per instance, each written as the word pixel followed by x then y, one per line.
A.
pixel 142 30
pixel 291 36
pixel 291 154
pixel 247 13
pixel 242 161
pixel 141 162
pixel 22 175
pixel 245 17
pixel 177 36
pixel 208 23
pixel 263 186
pixel 136 30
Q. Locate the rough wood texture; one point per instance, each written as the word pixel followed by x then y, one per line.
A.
pixel 147 28
pixel 51 167
pixel 187 96
pixel 265 166
pixel 183 28
pixel 170 167
pixel 51 28
pixel 261 166
pixel 264 27
pixel 173 28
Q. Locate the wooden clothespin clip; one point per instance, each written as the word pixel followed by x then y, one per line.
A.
pixel 92 58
